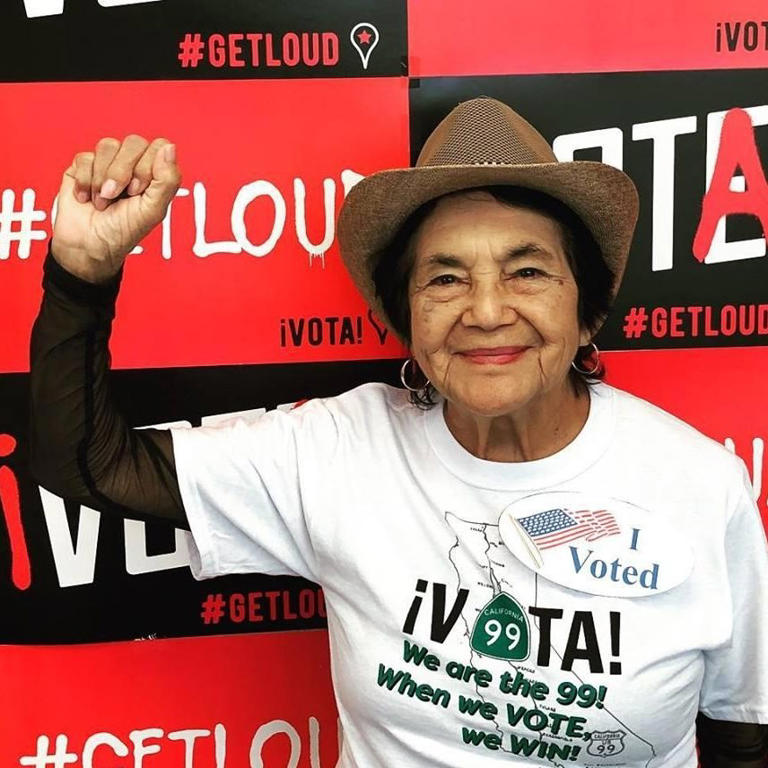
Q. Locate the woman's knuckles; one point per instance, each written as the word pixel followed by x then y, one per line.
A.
pixel 123 202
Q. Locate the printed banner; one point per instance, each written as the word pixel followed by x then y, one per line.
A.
pixel 718 391
pixel 217 702
pixel 72 574
pixel 696 271
pixel 453 37
pixel 194 40
pixel 244 267
pixel 238 303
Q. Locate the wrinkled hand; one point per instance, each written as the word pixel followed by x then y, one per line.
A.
pixel 109 200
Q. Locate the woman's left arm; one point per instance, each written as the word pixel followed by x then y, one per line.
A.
pixel 732 726
pixel 724 744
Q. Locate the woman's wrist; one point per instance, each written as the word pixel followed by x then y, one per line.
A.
pixel 77 288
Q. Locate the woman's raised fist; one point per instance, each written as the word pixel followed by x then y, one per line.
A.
pixel 109 200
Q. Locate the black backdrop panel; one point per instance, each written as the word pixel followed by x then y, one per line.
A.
pixel 117 605
pixel 253 38
pixel 559 104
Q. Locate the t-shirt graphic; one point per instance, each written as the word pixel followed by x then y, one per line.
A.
pixel 550 717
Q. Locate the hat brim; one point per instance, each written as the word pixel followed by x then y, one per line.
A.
pixel 604 197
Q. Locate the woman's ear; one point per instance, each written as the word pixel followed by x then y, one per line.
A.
pixel 585 336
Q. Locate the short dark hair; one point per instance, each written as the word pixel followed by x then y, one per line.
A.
pixel 594 279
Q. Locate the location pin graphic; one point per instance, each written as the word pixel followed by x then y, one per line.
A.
pixel 364 37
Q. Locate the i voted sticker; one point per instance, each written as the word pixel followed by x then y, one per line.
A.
pixel 596 544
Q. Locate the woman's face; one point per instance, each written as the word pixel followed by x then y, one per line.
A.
pixel 494 304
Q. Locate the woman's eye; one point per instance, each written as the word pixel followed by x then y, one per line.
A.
pixel 444 280
pixel 527 272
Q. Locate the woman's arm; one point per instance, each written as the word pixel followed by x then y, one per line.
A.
pixel 80 446
pixel 724 744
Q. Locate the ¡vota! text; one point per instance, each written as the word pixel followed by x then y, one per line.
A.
pixel 329 330
pixel 750 35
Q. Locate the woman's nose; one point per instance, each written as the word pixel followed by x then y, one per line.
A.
pixel 489 305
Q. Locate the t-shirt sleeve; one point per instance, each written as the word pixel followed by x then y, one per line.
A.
pixel 735 684
pixel 245 485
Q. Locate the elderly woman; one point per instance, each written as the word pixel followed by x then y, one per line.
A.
pixel 522 564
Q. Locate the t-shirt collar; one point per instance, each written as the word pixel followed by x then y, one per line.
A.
pixel 590 443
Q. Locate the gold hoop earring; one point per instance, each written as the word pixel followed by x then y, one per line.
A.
pixel 597 362
pixel 405 383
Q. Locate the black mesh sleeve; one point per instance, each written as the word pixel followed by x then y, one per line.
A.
pixel 80 447
pixel 724 744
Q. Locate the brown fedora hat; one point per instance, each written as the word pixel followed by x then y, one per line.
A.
pixel 483 142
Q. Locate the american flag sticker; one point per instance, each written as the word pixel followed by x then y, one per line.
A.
pixel 555 527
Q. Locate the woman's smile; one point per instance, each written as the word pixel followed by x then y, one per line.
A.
pixel 493 355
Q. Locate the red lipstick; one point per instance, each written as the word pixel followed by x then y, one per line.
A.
pixel 493 355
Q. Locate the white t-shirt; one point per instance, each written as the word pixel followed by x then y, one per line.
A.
pixel 574 610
